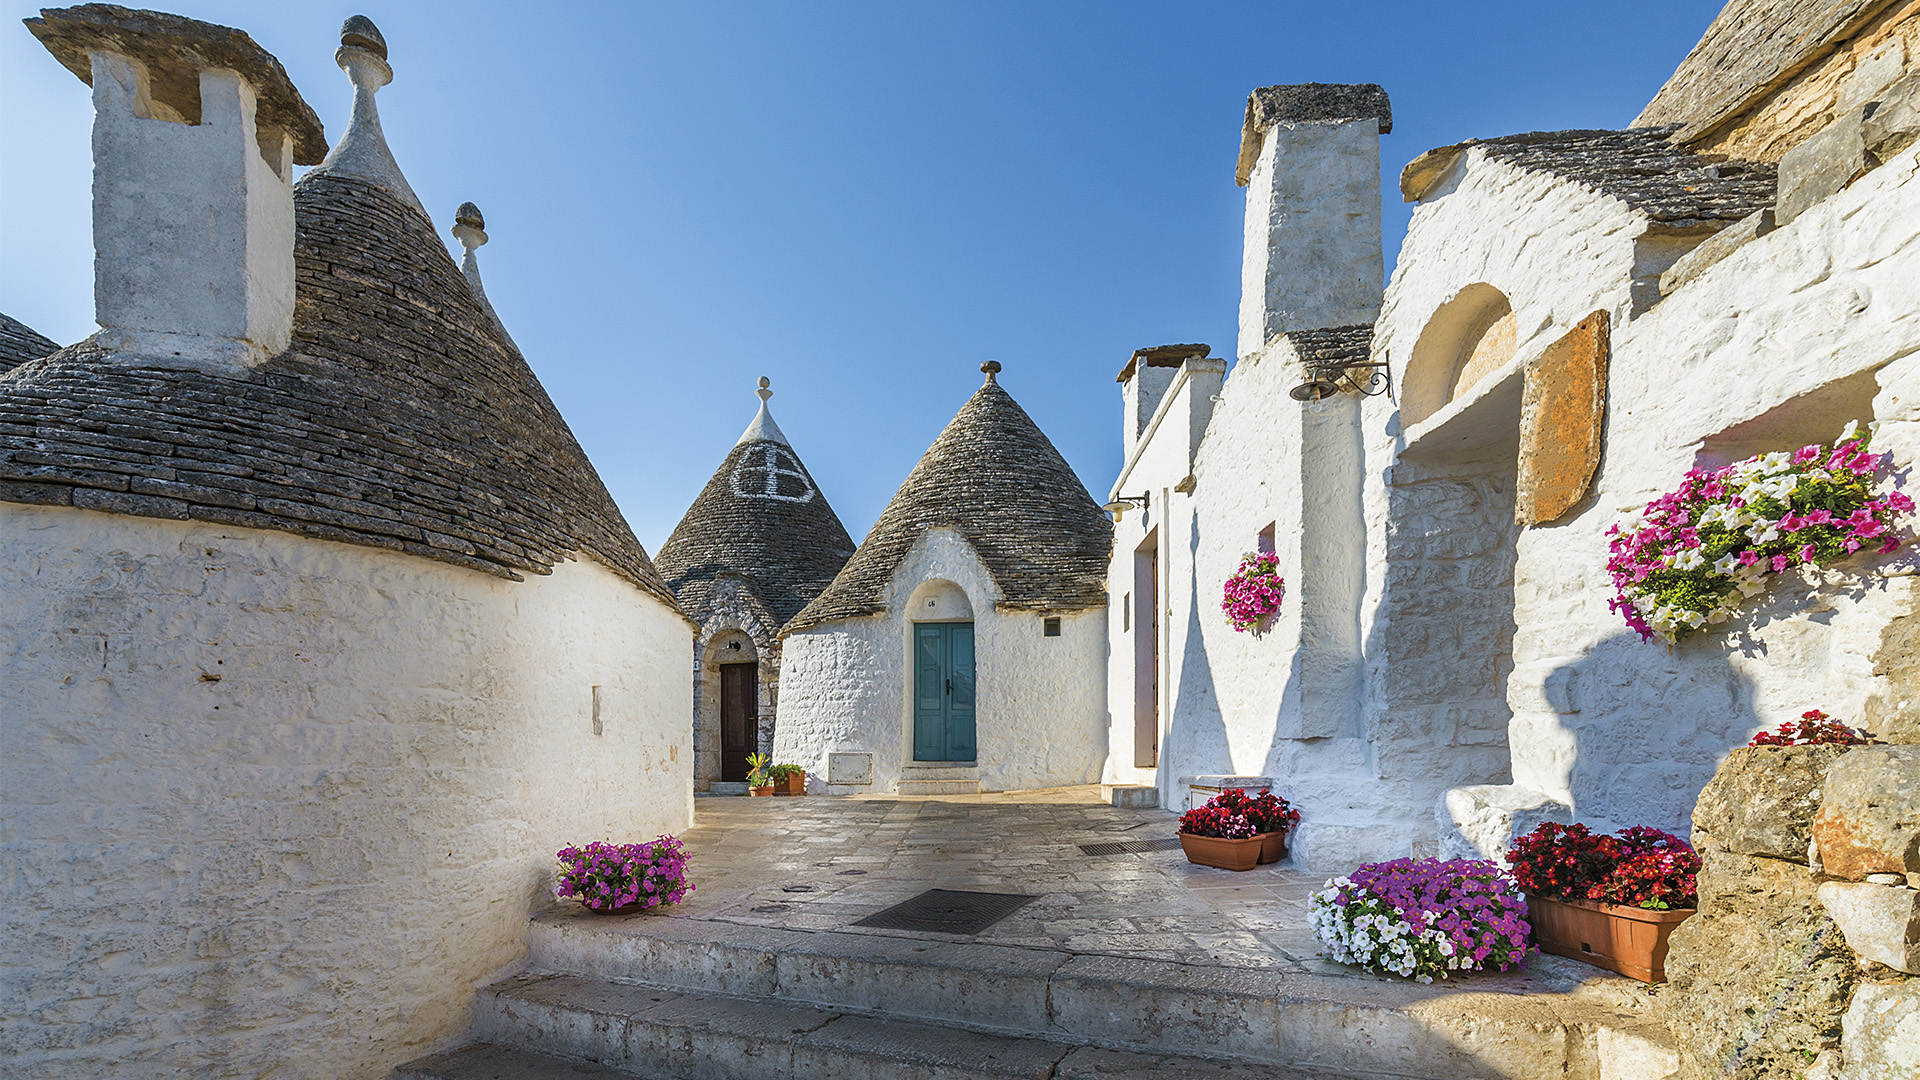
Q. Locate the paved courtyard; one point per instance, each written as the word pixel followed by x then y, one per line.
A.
pixel 822 863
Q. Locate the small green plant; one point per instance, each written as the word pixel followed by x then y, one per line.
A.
pixel 761 775
pixel 781 772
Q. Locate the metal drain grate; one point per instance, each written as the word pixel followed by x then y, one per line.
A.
pixel 1125 847
pixel 948 911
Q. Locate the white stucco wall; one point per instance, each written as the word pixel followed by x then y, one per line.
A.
pixel 1774 347
pixel 1040 713
pixel 276 805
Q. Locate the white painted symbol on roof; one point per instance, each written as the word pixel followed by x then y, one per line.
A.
pixel 758 477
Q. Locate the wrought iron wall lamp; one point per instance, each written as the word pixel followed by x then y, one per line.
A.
pixel 1326 378
pixel 1119 505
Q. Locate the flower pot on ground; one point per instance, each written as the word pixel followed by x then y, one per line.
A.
pixel 618 879
pixel 766 789
pixel 760 776
pixel 789 780
pixel 1610 901
pixel 1423 919
pixel 1220 852
pixel 1630 941
pixel 1272 819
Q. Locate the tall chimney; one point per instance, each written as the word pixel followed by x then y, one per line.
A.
pixel 1144 381
pixel 1310 161
pixel 195 134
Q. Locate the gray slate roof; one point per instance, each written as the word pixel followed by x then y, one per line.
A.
pixel 760 518
pixel 993 477
pixel 20 343
pixel 1752 47
pixel 1333 345
pixel 1639 166
pixel 399 418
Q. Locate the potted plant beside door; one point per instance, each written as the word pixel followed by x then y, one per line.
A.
pixel 788 780
pixel 1611 901
pixel 760 780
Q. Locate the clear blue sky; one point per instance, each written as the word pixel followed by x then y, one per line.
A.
pixel 861 200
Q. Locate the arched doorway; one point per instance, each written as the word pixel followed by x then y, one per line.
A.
pixel 943 667
pixel 730 706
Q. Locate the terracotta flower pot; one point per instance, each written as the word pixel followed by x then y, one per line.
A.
pixel 767 790
pixel 1273 846
pixel 791 784
pixel 1629 940
pixel 1221 853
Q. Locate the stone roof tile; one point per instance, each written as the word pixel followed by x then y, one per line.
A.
pixel 20 343
pixel 399 418
pixel 1639 166
pixel 993 477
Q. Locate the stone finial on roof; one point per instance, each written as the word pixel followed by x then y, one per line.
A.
pixel 992 368
pixel 363 151
pixel 763 429
pixel 470 228
pixel 1307 103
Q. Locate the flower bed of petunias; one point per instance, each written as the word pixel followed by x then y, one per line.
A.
pixel 1814 729
pixel 1638 867
pixel 1424 919
pixel 1253 592
pixel 1266 811
pixel 1693 556
pixel 604 876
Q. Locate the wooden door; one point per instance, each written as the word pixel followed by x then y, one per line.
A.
pixel 739 719
pixel 1146 653
pixel 943 692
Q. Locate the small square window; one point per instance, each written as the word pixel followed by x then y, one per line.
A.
pixel 1050 627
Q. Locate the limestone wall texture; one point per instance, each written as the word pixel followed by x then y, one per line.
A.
pixel 1806 905
pixel 275 806
pixel 1776 346
pixel 1041 711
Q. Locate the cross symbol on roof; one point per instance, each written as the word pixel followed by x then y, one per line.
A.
pixel 758 477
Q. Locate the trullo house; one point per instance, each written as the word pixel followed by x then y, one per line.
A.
pixel 963 647
pixel 319 631
pixel 757 545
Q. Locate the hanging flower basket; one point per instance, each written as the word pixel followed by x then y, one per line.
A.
pixel 1251 597
pixel 1696 554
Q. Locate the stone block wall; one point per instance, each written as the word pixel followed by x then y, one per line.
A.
pixel 1802 959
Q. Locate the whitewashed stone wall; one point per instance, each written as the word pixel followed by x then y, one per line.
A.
pixel 277 806
pixel 1776 346
pixel 1040 704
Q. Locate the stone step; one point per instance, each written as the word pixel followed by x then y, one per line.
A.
pixel 485 1061
pixel 676 1035
pixel 939 787
pixel 1444 1031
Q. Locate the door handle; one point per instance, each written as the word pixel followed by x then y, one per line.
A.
pixel 949 687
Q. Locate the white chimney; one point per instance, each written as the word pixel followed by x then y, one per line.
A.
pixel 1310 161
pixel 196 131
pixel 1144 383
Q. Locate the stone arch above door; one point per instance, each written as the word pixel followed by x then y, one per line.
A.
pixel 938 600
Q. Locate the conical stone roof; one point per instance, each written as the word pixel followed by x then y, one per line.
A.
pixel 399 418
pixel 995 478
pixel 760 519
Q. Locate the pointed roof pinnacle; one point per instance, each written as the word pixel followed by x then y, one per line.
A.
pixel 362 152
pixel 470 228
pixel 992 368
pixel 763 429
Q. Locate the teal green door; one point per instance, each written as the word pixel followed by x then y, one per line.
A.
pixel 943 692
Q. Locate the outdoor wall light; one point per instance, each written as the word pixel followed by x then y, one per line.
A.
pixel 1327 378
pixel 1119 505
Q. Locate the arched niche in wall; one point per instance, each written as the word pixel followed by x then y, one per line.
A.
pixel 938 600
pixel 1466 338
